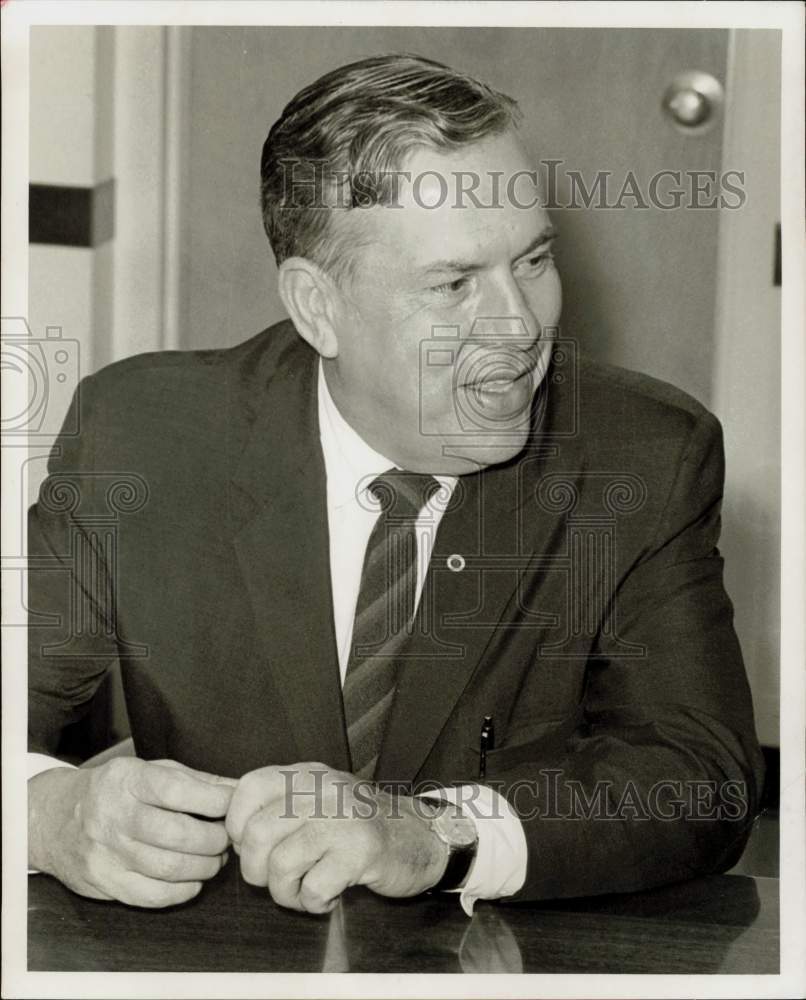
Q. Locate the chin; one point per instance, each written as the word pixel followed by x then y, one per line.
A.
pixel 465 457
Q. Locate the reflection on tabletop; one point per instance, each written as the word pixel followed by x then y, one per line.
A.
pixel 487 945
pixel 724 923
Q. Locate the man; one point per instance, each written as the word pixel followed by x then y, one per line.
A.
pixel 407 543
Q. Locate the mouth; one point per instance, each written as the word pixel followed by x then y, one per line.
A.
pixel 504 374
pixel 499 386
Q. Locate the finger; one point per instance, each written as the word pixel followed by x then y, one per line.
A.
pixel 323 884
pixel 140 890
pixel 175 831
pixel 261 835
pixel 255 791
pixel 290 862
pixel 172 866
pixel 212 779
pixel 175 789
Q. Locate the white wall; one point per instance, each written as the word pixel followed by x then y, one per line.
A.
pixel 71 144
pixel 106 103
pixel 747 372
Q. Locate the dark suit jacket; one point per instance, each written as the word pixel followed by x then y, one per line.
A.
pixel 184 531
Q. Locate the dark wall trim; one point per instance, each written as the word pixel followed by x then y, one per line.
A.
pixel 771 798
pixel 71 216
pixel 776 268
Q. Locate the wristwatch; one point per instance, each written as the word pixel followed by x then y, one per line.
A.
pixel 460 834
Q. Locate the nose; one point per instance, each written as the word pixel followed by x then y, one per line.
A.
pixel 507 317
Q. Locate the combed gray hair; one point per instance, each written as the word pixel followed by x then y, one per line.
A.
pixel 342 139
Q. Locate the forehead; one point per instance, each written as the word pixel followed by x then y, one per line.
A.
pixel 480 200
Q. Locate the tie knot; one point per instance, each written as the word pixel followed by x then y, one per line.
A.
pixel 403 495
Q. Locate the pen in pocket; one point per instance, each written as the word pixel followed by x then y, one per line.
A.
pixel 486 743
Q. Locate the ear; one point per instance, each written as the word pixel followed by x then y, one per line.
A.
pixel 308 295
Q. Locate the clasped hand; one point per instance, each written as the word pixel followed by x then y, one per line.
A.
pixel 149 833
pixel 308 833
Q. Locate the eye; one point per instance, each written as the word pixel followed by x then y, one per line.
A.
pixel 535 264
pixel 451 287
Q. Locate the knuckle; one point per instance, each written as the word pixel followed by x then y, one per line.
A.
pixel 166 866
pixel 119 770
pixel 252 781
pixel 218 837
pixel 134 823
pixel 156 780
pixel 99 820
pixel 253 875
pixel 254 835
pixel 313 902
pixel 114 768
pixel 279 867
pixel 323 906
pixel 282 897
pixel 315 896
pixel 175 827
pixel 94 826
pixel 281 863
pixel 313 834
pixel 248 780
pixel 97 869
pixel 206 868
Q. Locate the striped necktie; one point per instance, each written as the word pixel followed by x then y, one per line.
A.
pixel 384 612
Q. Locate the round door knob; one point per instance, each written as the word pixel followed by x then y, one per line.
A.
pixel 689 107
pixel 693 100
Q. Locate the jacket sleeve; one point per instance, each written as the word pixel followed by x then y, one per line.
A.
pixel 71 629
pixel 662 780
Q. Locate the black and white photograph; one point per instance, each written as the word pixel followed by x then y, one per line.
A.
pixel 402 445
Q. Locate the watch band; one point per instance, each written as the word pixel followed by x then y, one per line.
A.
pixel 460 856
pixel 460 860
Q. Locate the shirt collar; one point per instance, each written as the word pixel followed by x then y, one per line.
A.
pixel 350 463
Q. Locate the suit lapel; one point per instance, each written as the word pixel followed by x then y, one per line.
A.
pixel 282 545
pixel 445 651
pixel 461 608
pixel 500 531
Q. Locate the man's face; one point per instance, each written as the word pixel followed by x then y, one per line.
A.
pixel 439 328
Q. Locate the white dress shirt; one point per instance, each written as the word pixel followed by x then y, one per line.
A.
pixel 350 466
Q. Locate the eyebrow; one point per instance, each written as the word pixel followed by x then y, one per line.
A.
pixel 469 266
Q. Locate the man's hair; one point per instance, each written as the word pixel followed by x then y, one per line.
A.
pixel 340 141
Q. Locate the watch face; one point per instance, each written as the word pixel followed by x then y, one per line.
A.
pixel 458 831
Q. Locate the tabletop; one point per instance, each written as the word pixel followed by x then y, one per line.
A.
pixel 721 923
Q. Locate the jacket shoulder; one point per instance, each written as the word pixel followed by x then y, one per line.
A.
pixel 246 362
pixel 639 390
pixel 172 410
pixel 635 409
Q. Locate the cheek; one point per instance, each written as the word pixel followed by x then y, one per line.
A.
pixel 391 360
pixel 554 299
pixel 545 300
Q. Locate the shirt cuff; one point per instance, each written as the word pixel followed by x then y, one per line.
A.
pixel 499 868
pixel 36 763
